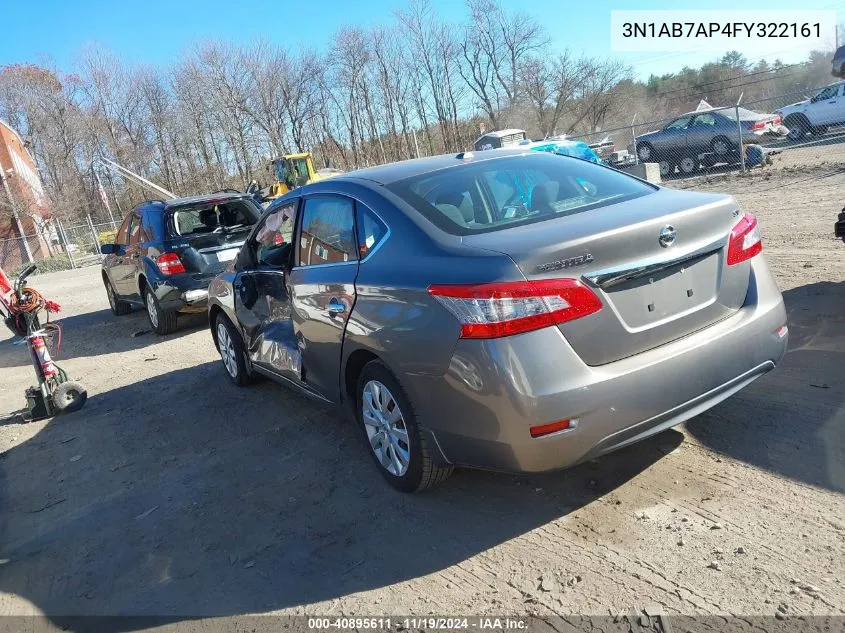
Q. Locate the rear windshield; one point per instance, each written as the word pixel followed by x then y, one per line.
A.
pixel 496 194
pixel 211 217
pixel 743 113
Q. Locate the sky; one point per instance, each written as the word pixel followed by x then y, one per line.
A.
pixel 155 32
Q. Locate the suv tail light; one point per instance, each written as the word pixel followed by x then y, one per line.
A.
pixel 502 309
pixel 758 125
pixel 170 264
pixel 778 120
pixel 745 240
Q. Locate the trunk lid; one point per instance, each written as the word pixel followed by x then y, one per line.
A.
pixel 651 294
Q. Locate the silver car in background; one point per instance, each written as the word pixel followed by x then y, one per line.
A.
pixel 512 310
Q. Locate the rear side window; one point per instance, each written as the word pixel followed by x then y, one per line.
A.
pixel 123 232
pixel 210 217
pixel 328 231
pixel 134 229
pixel 496 194
pixel 371 231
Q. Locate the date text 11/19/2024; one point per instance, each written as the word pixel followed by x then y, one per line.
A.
pixel 426 623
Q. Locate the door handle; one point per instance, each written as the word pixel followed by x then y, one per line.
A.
pixel 336 306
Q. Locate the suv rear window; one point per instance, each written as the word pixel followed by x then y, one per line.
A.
pixel 211 217
pixel 496 194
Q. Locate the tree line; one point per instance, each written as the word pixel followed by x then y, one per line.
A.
pixel 419 85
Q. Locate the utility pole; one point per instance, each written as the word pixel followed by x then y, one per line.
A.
pixel 15 215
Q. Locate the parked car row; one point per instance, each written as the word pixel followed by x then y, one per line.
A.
pixel 511 310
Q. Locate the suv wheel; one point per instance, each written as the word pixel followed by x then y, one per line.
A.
pixel 389 426
pixel 232 352
pixel 163 322
pixel 118 307
pixel 798 127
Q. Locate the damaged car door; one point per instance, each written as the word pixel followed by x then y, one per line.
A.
pixel 262 297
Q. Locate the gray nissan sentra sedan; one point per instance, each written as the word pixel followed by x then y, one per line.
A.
pixel 509 310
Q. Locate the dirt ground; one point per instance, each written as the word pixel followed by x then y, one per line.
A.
pixel 174 493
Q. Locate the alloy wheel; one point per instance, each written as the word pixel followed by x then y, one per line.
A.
pixel 720 147
pixel 227 350
pixel 151 309
pixel 385 427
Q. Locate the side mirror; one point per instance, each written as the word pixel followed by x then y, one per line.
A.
pixel 108 249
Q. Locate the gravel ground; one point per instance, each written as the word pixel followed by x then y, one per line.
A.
pixel 174 493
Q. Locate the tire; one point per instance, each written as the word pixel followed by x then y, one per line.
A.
pixel 645 152
pixel 722 146
pixel 798 127
pixel 820 129
pixel 232 352
pixel 69 396
pixel 666 168
pixel 406 447
pixel 162 322
pixel 688 165
pixel 118 307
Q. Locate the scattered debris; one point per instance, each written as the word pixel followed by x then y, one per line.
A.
pixel 782 608
pixel 547 582
pixel 573 581
pixel 739 550
pixel 779 615
pixel 715 565
pixel 795 590
pixel 716 526
pixel 150 358
pixel 249 564
pixel 76 458
pixel 146 513
pixel 684 519
pixel 681 541
pixel 140 333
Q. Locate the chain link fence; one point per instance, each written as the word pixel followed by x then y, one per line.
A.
pixel 62 245
pixel 735 137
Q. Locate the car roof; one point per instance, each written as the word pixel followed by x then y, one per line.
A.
pixel 391 172
pixel 220 196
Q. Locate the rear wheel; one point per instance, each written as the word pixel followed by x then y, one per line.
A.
pixel 69 396
pixel 721 146
pixel 232 352
pixel 118 307
pixel 163 321
pixel 389 426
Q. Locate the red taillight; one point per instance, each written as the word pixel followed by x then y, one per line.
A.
pixel 545 429
pixel 778 120
pixel 170 264
pixel 758 125
pixel 502 309
pixel 745 240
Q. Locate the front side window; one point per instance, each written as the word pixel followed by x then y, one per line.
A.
pixel 134 229
pixel 495 194
pixel 273 240
pixel 327 235
pixel 123 232
pixel 704 120
pixel 828 93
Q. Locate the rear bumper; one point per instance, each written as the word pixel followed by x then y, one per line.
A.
pixel 480 412
pixel 183 293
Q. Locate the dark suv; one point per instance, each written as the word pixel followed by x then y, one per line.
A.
pixel 166 253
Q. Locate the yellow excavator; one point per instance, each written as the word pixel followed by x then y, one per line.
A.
pixel 292 171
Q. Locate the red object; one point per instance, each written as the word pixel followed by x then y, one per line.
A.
pixel 52 306
pixel 778 120
pixel 745 241
pixel 5 286
pixel 48 368
pixel 503 309
pixel 170 264
pixel 758 125
pixel 544 429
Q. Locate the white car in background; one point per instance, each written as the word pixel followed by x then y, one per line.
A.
pixel 817 114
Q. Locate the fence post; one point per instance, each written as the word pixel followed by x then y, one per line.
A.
pixel 739 132
pixel 94 235
pixel 634 137
pixel 63 236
